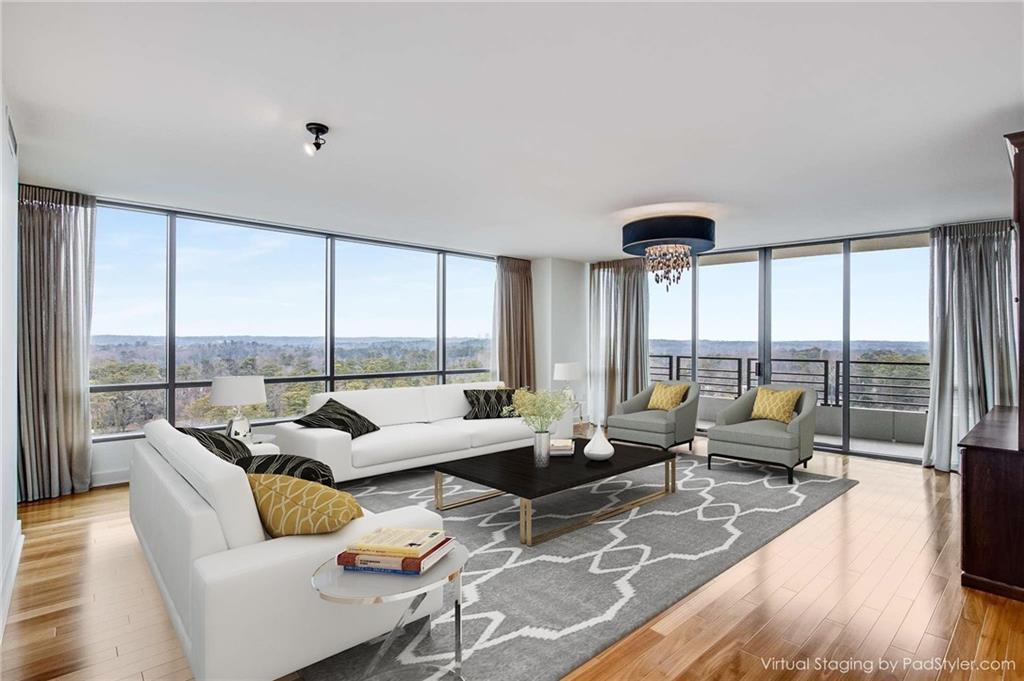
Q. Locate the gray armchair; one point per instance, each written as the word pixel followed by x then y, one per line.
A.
pixel 634 422
pixel 736 436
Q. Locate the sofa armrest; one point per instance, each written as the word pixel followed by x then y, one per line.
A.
pixel 738 410
pixel 685 415
pixel 255 614
pixel 803 424
pixel 333 447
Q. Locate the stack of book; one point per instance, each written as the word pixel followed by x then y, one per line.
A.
pixel 396 551
pixel 561 447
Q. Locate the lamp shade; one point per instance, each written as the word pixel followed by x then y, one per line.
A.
pixel 233 391
pixel 567 371
pixel 690 230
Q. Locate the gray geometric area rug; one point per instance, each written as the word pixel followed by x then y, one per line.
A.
pixel 539 612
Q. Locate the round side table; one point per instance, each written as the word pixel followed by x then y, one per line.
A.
pixel 333 583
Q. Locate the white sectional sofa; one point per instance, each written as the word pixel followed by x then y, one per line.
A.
pixel 418 427
pixel 242 603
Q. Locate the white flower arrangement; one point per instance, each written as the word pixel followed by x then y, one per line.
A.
pixel 539 409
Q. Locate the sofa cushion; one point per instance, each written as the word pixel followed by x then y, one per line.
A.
pixel 286 464
pixel 227 448
pixel 334 414
pixel 489 404
pixel 485 432
pixel 667 396
pixel 449 401
pixel 777 405
pixel 383 406
pixel 406 441
pixel 650 420
pixel 221 484
pixel 761 433
pixel 289 506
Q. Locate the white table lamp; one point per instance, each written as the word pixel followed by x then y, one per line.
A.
pixel 236 391
pixel 569 372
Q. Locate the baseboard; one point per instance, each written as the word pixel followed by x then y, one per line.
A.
pixel 992 586
pixel 114 477
pixel 10 572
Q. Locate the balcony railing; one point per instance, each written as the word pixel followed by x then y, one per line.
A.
pixel 895 385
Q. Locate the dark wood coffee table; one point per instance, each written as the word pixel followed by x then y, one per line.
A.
pixel 513 472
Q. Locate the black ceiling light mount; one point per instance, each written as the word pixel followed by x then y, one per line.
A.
pixel 668 242
pixel 317 130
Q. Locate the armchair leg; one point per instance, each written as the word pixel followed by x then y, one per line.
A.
pixel 709 460
pixel 691 445
pixel 805 462
pixel 789 474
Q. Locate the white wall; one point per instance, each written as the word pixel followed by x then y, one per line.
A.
pixel 10 527
pixel 559 318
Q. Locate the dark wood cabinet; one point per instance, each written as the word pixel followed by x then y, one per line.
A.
pixel 992 483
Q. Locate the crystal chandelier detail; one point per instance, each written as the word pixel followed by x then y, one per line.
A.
pixel 667 263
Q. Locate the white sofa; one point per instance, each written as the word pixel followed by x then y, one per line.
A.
pixel 242 603
pixel 418 427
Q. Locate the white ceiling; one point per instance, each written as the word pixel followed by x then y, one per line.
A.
pixel 522 129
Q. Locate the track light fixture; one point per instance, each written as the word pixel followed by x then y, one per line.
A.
pixel 317 130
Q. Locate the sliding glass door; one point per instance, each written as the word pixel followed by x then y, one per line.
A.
pixel 807 327
pixel 728 323
pixel 888 371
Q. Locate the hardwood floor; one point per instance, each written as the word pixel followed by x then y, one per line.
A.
pixel 872 576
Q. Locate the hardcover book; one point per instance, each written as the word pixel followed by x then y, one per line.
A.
pixel 392 541
pixel 370 562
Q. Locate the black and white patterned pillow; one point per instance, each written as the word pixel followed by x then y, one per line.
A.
pixel 288 464
pixel 336 415
pixel 489 404
pixel 227 448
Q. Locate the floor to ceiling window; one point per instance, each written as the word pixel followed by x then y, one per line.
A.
pixel 728 324
pixel 469 318
pixel 128 347
pixel 872 401
pixel 249 299
pixel 889 328
pixel 386 315
pixel 807 327
pixel 670 328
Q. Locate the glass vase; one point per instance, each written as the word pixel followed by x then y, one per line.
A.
pixel 541 449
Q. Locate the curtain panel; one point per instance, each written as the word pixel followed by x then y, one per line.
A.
pixel 56 258
pixel 618 334
pixel 513 320
pixel 973 342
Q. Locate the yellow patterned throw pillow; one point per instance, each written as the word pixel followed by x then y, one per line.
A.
pixel 775 405
pixel 290 505
pixel 667 395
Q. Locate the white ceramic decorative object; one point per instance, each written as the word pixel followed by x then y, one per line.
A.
pixel 598 449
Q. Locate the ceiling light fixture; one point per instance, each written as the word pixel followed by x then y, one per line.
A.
pixel 667 243
pixel 317 130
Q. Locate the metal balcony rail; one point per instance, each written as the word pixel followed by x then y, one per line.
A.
pixel 878 384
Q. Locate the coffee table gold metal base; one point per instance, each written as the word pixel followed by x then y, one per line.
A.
pixel 526 535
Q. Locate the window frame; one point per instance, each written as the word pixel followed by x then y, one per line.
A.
pixel 330 377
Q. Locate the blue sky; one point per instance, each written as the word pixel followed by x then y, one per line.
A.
pixel 888 299
pixel 237 281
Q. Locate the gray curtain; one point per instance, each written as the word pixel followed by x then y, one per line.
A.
pixel 513 320
pixel 618 334
pixel 56 258
pixel 973 345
